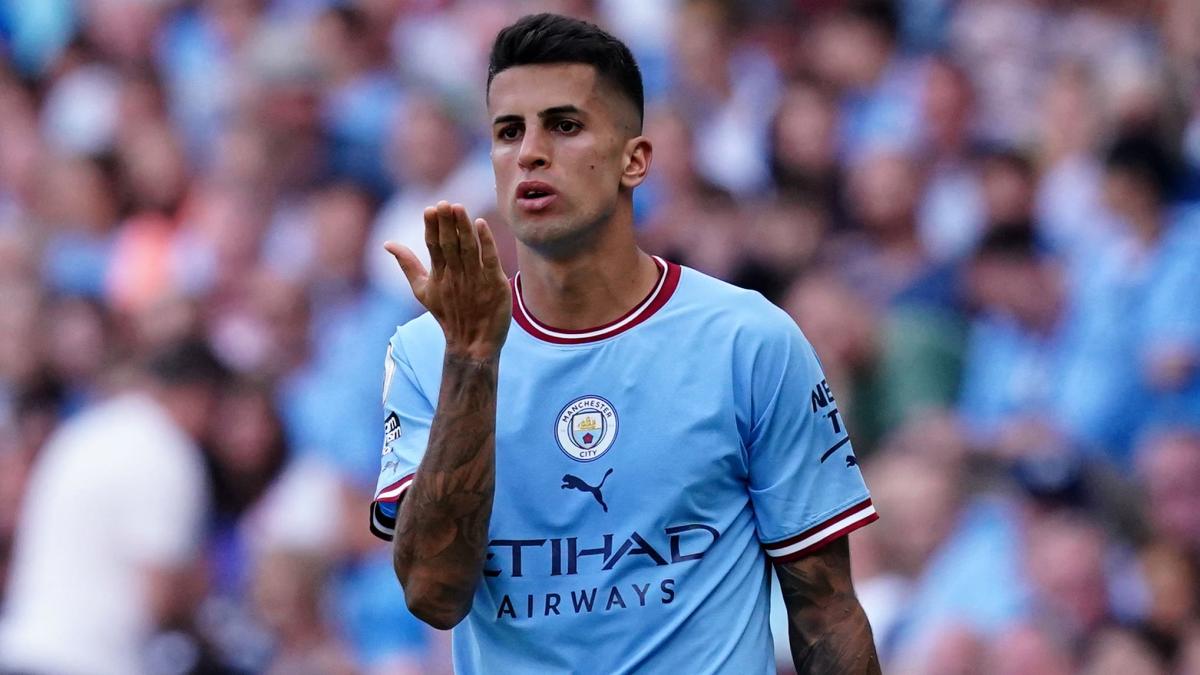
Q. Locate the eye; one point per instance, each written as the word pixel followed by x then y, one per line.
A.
pixel 567 126
pixel 509 133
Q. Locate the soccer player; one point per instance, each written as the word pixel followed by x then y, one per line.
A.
pixel 585 469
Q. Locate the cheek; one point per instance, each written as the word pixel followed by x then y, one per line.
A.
pixel 504 171
pixel 500 163
pixel 601 167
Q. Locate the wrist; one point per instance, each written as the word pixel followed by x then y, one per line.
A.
pixel 472 354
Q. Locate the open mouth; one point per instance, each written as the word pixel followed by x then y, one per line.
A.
pixel 534 195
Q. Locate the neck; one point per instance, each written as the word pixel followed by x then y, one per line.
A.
pixel 179 406
pixel 590 289
pixel 901 237
pixel 1146 222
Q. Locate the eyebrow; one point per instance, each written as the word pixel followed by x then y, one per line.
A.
pixel 548 112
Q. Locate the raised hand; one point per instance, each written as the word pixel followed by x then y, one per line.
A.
pixel 442 526
pixel 466 289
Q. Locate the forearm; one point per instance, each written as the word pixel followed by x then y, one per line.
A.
pixel 837 641
pixel 173 593
pixel 827 626
pixel 442 526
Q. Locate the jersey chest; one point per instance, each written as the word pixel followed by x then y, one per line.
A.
pixel 626 433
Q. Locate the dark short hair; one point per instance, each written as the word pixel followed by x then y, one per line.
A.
pixel 1017 241
pixel 881 15
pixel 1146 158
pixel 1006 156
pixel 186 362
pixel 552 38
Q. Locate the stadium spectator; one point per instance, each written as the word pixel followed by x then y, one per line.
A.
pixel 327 402
pixel 429 155
pixel 1019 334
pixel 843 328
pixel 122 486
pixel 884 257
pixel 361 98
pixel 1070 215
pixel 952 208
pixel 727 90
pixel 1169 460
pixel 953 558
pixel 1135 311
pixel 856 50
pixel 804 146
pixel 288 597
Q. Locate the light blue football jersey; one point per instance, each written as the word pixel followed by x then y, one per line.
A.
pixel 645 472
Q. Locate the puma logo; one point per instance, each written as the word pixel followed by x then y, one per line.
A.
pixel 576 483
pixel 851 460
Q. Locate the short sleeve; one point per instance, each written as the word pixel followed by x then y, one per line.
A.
pixel 407 416
pixel 805 484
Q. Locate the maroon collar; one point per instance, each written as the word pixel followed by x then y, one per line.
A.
pixel 668 280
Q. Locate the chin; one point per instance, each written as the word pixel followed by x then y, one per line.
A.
pixel 551 236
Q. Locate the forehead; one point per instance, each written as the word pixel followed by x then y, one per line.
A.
pixel 526 90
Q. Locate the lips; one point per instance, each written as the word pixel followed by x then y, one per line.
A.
pixel 533 195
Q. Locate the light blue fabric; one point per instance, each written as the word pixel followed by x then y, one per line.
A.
pixel 725 446
pixel 974 579
pixel 197 63
pixel 1135 303
pixel 329 406
pixel 1089 377
pixel 36 32
pixel 372 612
pixel 884 116
pixel 357 115
pixel 75 263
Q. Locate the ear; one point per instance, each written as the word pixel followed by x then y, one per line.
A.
pixel 637 155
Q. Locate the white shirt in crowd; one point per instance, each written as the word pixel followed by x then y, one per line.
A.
pixel 116 492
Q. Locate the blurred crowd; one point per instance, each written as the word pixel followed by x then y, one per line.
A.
pixel 983 213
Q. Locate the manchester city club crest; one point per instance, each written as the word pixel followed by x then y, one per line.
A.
pixel 586 428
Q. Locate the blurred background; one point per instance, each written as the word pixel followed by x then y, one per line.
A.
pixel 979 211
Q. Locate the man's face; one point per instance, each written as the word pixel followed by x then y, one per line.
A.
pixel 560 151
pixel 884 188
pixel 1124 193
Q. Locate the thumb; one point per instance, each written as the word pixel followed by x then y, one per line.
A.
pixel 413 270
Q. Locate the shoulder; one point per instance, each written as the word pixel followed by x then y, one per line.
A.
pixel 418 338
pixel 742 313
pixel 129 431
pixel 1184 228
pixel 151 431
pixel 126 418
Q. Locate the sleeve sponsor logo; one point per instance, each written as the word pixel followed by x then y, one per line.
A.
pixel 391 431
pixel 824 405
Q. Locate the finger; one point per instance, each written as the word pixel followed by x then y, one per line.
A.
pixel 467 241
pixel 448 236
pixel 436 257
pixel 413 270
pixel 487 247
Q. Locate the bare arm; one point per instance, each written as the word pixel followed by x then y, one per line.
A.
pixel 173 592
pixel 828 629
pixel 442 526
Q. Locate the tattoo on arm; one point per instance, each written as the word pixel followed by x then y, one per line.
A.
pixel 828 629
pixel 442 526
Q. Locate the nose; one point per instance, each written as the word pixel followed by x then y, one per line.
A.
pixel 534 151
